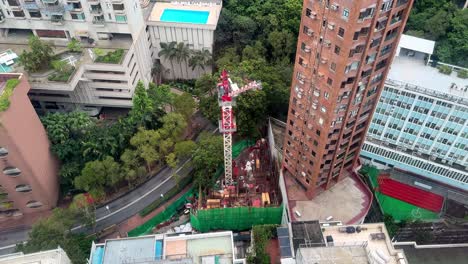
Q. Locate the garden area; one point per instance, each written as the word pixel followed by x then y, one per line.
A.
pixel 112 57
pixel 6 93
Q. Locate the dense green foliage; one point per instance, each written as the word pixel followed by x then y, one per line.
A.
pixel 446 23
pixel 139 141
pixel 53 231
pixel 255 40
pixel 7 92
pixel 114 57
pixel 207 157
pixel 39 57
pixel 261 236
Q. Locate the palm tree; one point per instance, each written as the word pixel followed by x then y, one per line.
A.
pixel 158 72
pixel 199 59
pixel 168 52
pixel 182 54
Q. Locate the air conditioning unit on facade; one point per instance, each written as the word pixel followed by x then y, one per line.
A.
pixel 334 7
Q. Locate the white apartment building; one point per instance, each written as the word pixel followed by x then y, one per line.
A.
pixel 421 121
pixel 190 22
pixel 109 25
pixel 54 256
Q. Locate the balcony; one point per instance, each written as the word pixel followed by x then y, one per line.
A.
pixel 118 8
pixel 14 3
pixel 57 19
pixel 401 2
pixel 395 20
pixel 96 11
pixel 49 1
pixel 30 6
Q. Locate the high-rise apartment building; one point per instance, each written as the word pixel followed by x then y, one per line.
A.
pixel 421 121
pixel 116 28
pixel 28 171
pixel 343 55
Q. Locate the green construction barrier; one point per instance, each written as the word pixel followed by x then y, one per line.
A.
pixel 170 211
pixel 165 215
pixel 236 219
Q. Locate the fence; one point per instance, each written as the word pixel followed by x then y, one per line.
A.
pixel 236 219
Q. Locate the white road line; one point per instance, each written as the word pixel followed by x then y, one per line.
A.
pixel 136 200
pixel 7 247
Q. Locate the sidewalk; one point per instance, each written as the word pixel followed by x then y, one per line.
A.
pixel 137 220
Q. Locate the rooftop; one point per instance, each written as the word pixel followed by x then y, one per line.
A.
pixel 54 256
pixel 196 248
pixel 213 7
pixel 410 67
pixel 373 238
pixel 347 201
pixel 416 44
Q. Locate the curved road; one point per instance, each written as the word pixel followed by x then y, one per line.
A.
pixel 120 209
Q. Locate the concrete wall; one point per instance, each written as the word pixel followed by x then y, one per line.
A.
pixel 23 135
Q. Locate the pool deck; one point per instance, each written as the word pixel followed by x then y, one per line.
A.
pixel 159 8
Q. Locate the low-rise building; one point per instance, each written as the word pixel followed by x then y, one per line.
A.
pixel 421 121
pixel 192 23
pixel 29 172
pixel 54 256
pixel 169 248
pixel 357 244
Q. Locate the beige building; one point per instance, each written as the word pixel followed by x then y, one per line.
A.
pixel 106 25
pixel 28 177
pixel 54 256
pixel 192 23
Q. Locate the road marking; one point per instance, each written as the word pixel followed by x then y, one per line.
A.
pixel 136 200
pixel 7 247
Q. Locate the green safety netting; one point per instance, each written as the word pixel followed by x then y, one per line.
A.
pixel 398 209
pixel 170 211
pixel 236 219
pixel 161 217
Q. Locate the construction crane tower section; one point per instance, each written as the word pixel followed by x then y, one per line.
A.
pixel 227 91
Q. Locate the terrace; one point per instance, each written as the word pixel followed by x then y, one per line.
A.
pixel 197 13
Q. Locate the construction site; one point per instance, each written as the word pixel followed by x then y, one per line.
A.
pixel 246 192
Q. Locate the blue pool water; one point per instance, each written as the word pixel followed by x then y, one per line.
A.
pixel 97 255
pixel 158 249
pixel 185 16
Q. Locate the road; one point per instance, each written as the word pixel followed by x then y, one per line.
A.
pixel 120 209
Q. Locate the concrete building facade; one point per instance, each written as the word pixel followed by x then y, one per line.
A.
pixel 54 256
pixel 197 34
pixel 29 172
pixel 107 25
pixel 420 124
pixel 343 55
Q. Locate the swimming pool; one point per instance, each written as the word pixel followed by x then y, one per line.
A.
pixel 185 16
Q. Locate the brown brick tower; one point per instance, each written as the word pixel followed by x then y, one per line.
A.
pixel 344 51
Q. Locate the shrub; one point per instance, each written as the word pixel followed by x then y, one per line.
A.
pixel 445 69
pixel 5 96
pixel 113 57
pixel 38 58
pixel 462 74
pixel 74 45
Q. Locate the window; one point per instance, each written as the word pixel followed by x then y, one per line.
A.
pixel 23 188
pixel 12 171
pixel 3 152
pixel 326 95
pixel 356 35
pixel 341 32
pixel 308 12
pixel 33 204
pixel 345 12
pixel 18 13
pixel 337 50
pixel 78 16
pixel 324 22
pixel 333 66
pixel 329 81
pixel 35 14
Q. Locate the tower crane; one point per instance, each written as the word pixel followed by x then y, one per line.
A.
pixel 227 92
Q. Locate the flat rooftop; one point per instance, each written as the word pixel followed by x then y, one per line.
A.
pixel 196 248
pixel 213 8
pixel 333 255
pixel 347 201
pixel 373 238
pixel 457 255
pixel 412 70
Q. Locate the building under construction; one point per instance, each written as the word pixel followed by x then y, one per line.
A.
pixel 252 199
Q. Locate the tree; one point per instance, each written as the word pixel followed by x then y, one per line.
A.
pixel 96 175
pixel 209 107
pixel 168 52
pixel 146 143
pixel 283 44
pixel 204 85
pixel 160 95
pixel 207 157
pixel 251 112
pixel 84 209
pixel 200 59
pixel 174 125
pixel 182 54
pixel 39 57
pixel 54 231
pixel 184 149
pixel 142 106
pixel 158 72
pixel 184 105
pixel 74 45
